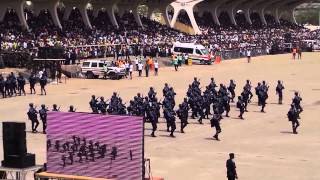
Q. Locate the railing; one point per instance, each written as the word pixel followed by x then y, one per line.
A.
pixel 235 54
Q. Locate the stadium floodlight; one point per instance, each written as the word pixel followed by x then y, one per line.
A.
pixel 28 3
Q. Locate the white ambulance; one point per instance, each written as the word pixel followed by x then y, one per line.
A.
pixel 198 53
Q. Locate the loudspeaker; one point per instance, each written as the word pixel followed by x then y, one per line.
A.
pixel 14 138
pixel 15 146
pixel 51 53
pixel 17 161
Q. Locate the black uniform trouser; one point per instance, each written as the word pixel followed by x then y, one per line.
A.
pixel 176 67
pixel 218 130
pixel 201 116
pixel 241 112
pixel 32 88
pixel 3 92
pixel 140 72
pixel 34 124
pixel 154 126
pixel 233 95
pixel 295 125
pixel 280 97
pixel 44 124
pixel 245 104
pixel 231 177
pixel 227 108
pixel 173 126
pixel 43 89
pixel 184 123
pixel 263 104
pixel 147 73
pixel 21 89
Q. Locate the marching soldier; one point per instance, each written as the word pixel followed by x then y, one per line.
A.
pixel 297 103
pixel 94 104
pixel 54 108
pixel 71 109
pixel 33 116
pixel 182 113
pixel 279 90
pixel 241 106
pixel 43 83
pixel 2 86
pixel 215 122
pixel 231 88
pixel 43 117
pixel 32 82
pixel 21 84
pixel 102 106
pixel 293 117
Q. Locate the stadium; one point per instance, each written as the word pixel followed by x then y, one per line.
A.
pixel 159 89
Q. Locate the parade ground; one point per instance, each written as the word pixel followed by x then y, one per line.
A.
pixel 263 143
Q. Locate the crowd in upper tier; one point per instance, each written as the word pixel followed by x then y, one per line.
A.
pixel 153 39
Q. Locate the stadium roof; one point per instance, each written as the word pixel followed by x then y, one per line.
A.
pixel 278 8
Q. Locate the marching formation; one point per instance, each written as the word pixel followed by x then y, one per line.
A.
pixel 211 103
pixel 12 86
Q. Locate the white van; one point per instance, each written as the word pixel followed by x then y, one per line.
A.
pixel 315 44
pixel 198 53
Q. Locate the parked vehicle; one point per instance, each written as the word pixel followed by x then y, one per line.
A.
pixel 198 53
pixel 98 68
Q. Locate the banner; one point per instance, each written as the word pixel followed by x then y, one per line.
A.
pixel 95 145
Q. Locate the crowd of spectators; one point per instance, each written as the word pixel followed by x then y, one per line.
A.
pixel 154 39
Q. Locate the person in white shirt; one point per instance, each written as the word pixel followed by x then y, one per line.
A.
pixel 140 68
pixel 249 55
pixel 130 69
pixel 156 67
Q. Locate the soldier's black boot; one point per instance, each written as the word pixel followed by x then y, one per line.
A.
pixel 171 134
pixel 152 134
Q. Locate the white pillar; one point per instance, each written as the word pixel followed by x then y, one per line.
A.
pixel 137 16
pixel 247 15
pixel 215 16
pixel 176 12
pixel 85 17
pixel 20 12
pixel 194 24
pixel 165 15
pixel 96 11
pixel 110 10
pixel 67 12
pixel 261 15
pixel 3 11
pixel 231 16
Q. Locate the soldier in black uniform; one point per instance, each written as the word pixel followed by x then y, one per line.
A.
pixel 231 168
pixel 2 86
pixel 43 83
pixel 246 96
pixel 102 106
pixel 71 109
pixel 94 104
pixel 258 89
pixel 33 116
pixel 248 88
pixel 169 115
pixel 231 88
pixel 32 82
pixel 215 122
pixel 165 89
pixel 293 117
pixel 8 87
pixel 153 117
pixel 297 103
pixel 241 106
pixel 263 94
pixel 279 90
pixel 21 84
pixel 54 108
pixel 13 83
pixel 182 114
pixel 43 117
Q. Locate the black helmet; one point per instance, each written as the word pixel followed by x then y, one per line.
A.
pixel 31 104
pixel 43 106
